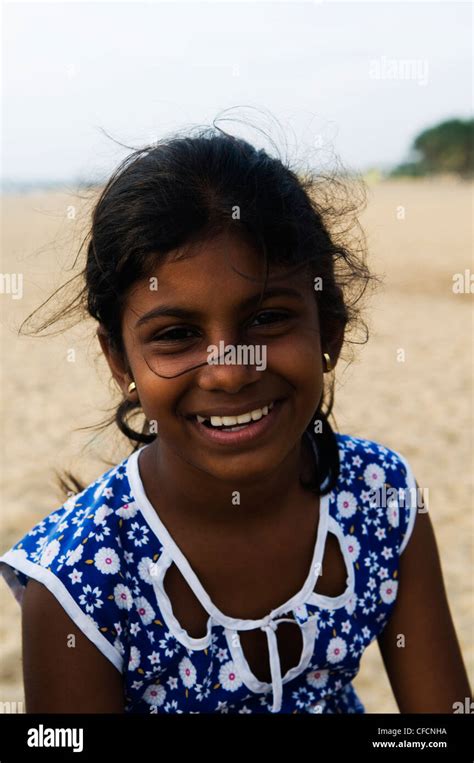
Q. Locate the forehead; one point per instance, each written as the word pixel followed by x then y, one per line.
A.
pixel 224 269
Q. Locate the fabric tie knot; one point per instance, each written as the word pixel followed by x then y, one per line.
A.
pixel 271 624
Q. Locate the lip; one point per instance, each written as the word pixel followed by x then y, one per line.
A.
pixel 251 432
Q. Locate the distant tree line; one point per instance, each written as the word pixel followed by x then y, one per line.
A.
pixel 445 148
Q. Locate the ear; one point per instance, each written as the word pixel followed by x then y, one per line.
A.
pixel 334 344
pixel 117 363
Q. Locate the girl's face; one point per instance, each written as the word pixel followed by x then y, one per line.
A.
pixel 207 283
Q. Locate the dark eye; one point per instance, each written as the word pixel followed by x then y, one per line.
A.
pixel 173 335
pixel 271 316
pixel 183 333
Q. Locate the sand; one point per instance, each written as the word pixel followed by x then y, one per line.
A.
pixel 422 407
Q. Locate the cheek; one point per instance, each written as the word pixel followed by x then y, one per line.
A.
pixel 298 360
pixel 159 397
pixel 300 365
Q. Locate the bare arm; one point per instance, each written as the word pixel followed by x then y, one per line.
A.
pixel 59 678
pixel 427 675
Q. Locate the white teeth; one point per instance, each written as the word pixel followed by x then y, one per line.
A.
pixel 243 418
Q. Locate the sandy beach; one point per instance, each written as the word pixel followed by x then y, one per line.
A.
pixel 422 407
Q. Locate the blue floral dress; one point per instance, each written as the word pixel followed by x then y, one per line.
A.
pixel 105 552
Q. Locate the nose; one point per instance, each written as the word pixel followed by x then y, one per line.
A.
pixel 234 366
pixel 228 378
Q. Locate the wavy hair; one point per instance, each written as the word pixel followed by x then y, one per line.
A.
pixel 182 189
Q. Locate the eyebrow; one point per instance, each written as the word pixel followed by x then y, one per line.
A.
pixel 182 312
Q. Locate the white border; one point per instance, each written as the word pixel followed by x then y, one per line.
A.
pixel 309 631
pixel 171 553
pixel 336 602
pixel 169 545
pixel 16 559
pixel 411 484
pixel 166 609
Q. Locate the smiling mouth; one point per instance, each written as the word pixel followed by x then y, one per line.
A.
pixel 234 423
pixel 222 430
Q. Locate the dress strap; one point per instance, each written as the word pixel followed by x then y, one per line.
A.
pixel 275 666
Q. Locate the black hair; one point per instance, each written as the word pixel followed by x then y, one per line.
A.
pixel 184 188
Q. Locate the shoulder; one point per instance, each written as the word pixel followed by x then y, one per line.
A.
pixel 76 553
pixel 378 482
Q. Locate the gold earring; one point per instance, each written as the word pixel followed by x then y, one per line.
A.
pixel 132 386
pixel 327 359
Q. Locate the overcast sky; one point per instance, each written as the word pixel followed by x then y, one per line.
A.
pixel 360 77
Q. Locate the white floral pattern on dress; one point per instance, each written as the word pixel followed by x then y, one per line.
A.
pixel 101 551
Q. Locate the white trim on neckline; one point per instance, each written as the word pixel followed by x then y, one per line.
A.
pixel 308 629
pixel 171 552
pixel 171 547
pixel 335 602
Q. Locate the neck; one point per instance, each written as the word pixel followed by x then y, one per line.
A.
pixel 197 497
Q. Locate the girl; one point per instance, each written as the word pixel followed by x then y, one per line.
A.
pixel 244 555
